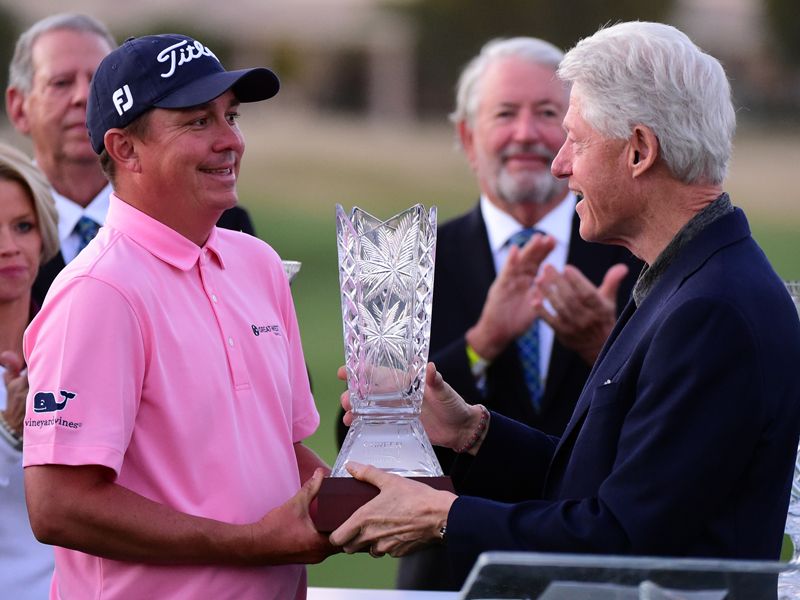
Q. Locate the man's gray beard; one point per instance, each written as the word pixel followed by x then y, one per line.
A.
pixel 535 188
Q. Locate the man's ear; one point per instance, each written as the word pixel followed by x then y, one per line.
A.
pixel 642 150
pixel 15 109
pixel 121 147
pixel 467 138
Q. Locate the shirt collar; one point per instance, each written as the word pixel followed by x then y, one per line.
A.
pixel 160 240
pixel 500 225
pixel 651 274
pixel 70 211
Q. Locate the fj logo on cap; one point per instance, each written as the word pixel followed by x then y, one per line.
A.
pixel 181 53
pixel 122 99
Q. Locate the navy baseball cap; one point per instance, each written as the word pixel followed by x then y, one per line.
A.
pixel 164 71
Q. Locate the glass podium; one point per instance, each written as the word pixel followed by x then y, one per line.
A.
pixel 546 576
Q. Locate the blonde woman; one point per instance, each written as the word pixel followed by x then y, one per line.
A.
pixel 28 236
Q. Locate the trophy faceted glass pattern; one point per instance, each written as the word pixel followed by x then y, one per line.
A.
pixel 291 268
pixel 386 279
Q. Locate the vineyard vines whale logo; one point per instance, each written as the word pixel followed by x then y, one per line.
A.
pixel 182 53
pixel 46 401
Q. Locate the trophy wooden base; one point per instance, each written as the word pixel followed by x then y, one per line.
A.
pixel 340 497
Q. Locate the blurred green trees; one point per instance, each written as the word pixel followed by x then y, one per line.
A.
pixel 783 18
pixel 450 32
pixel 9 30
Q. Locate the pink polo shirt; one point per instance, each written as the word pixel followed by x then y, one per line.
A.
pixel 181 369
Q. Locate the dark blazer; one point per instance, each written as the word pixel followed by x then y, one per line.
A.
pixel 235 218
pixel 464 272
pixel 683 440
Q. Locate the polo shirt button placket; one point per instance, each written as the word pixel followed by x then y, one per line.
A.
pixel 236 363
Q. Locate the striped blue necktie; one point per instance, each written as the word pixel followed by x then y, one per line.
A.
pixel 86 230
pixel 528 342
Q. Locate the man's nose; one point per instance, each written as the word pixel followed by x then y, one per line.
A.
pixel 80 91
pixel 561 166
pixel 526 128
pixel 229 138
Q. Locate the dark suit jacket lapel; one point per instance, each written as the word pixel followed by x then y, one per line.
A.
pixel 478 260
pixel 470 265
pixel 47 272
pixel 626 333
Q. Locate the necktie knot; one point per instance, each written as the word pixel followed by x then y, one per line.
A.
pixel 522 236
pixel 86 229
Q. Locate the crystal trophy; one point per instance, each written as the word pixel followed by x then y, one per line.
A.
pixel 793 287
pixel 386 281
pixel 291 268
pixel 789 581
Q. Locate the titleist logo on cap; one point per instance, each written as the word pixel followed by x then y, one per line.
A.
pixel 169 71
pixel 182 53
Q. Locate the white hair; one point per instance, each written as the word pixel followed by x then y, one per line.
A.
pixel 468 89
pixel 652 74
pixel 20 70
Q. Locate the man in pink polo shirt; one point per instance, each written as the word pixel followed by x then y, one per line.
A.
pixel 169 397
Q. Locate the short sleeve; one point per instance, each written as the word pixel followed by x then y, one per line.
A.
pixel 86 365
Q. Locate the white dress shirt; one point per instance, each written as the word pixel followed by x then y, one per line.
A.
pixel 500 226
pixel 70 212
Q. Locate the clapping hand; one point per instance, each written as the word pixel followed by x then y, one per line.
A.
pixel 509 309
pixel 581 315
pixel 16 382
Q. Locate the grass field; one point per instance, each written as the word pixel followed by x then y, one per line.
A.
pixel 297 168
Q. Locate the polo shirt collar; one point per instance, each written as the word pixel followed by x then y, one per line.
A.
pixel 163 242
